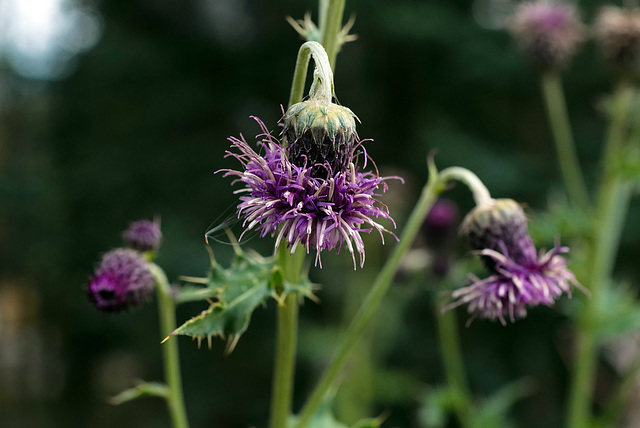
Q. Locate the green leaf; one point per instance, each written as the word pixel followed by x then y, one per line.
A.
pixel 190 293
pixel 437 405
pixel 145 389
pixel 493 412
pixel 618 312
pixel 239 289
pixel 324 418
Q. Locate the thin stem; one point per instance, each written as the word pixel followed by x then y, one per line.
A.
pixel 322 87
pixel 481 194
pixel 371 302
pixel 613 201
pixel 330 37
pixel 453 364
pixel 171 360
pixel 563 138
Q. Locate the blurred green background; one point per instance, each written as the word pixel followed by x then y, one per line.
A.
pixel 123 114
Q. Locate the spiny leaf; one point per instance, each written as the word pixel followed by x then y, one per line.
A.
pixel 239 289
pixel 145 389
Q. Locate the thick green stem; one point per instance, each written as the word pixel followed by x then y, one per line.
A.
pixel 331 34
pixel 167 313
pixel 285 362
pixel 613 201
pixel 286 339
pixel 454 365
pixel 565 147
pixel 371 302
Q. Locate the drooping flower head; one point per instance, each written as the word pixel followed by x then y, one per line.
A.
pixel 143 235
pixel 520 277
pixel 618 33
pixel 308 188
pixel 548 33
pixel 439 232
pixel 121 281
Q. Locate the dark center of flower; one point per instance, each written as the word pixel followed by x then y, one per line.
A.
pixel 316 150
pixel 106 295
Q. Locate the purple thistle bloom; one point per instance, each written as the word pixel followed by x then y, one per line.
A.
pixel 309 204
pixel 121 281
pixel 548 33
pixel 143 235
pixel 520 277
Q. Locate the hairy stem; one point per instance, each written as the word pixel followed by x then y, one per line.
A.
pixel 167 313
pixel 563 138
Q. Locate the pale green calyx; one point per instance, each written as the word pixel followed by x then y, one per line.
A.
pixel 318 133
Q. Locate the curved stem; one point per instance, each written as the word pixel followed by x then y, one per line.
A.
pixel 331 34
pixel 322 87
pixel 613 201
pixel 171 360
pixel 563 138
pixel 480 192
pixel 371 302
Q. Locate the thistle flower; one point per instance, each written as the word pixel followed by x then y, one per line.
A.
pixel 618 33
pixel 548 33
pixel 121 281
pixel 520 277
pixel 143 236
pixel 316 205
pixel 308 187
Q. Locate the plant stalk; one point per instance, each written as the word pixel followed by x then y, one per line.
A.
pixel 454 365
pixel 563 138
pixel 613 202
pixel 331 34
pixel 371 302
pixel 171 360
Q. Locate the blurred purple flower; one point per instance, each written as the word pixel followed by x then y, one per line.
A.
pixel 549 33
pixel 520 277
pixel 440 231
pixel 313 205
pixel 121 281
pixel 143 235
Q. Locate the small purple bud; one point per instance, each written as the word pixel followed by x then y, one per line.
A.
pixel 143 236
pixel 121 281
pixel 440 232
pixel 440 224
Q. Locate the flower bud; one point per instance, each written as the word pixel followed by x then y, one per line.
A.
pixel 500 226
pixel 143 235
pixel 618 33
pixel 121 281
pixel 320 135
pixel 548 33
